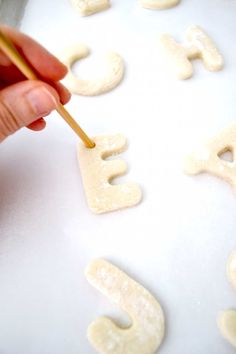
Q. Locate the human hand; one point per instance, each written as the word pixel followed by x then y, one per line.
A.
pixel 25 102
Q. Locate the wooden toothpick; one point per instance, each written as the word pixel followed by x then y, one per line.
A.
pixel 12 53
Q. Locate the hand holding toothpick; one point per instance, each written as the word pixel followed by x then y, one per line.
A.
pixel 24 103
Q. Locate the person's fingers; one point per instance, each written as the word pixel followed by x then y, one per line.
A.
pixel 4 61
pixel 38 125
pixel 65 96
pixel 9 76
pixel 23 103
pixel 63 92
pixel 43 62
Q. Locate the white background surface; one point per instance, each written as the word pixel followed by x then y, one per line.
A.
pixel 176 243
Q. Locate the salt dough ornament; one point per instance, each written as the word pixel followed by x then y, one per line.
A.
pixel 198 45
pixel 89 7
pixel 227 326
pixel 113 76
pixel 146 333
pixel 97 174
pixel 159 4
pixel 231 269
pixel 208 157
pixel 227 319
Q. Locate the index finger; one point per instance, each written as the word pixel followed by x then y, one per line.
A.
pixel 45 64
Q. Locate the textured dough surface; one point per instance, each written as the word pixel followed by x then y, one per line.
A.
pixel 231 269
pixel 198 45
pixel 159 4
pixel 146 332
pixel 227 326
pixel 113 76
pixel 97 173
pixel 207 158
pixel 89 7
pixel 227 319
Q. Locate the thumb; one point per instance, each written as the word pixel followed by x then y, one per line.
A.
pixel 23 103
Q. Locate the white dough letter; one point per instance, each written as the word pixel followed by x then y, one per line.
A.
pixel 159 4
pixel 98 173
pixel 227 319
pixel 113 76
pixel 89 7
pixel 147 330
pixel 199 45
pixel 208 157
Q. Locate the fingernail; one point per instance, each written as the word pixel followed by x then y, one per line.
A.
pixel 41 101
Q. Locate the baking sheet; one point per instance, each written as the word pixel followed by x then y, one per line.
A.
pixel 176 242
